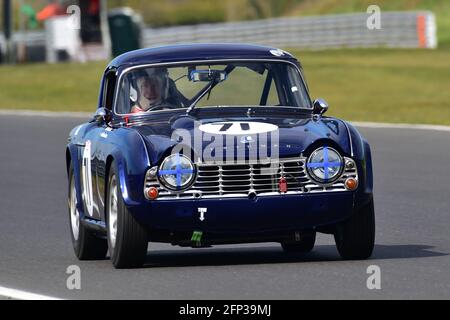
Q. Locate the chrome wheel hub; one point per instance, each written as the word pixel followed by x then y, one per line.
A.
pixel 74 214
pixel 112 211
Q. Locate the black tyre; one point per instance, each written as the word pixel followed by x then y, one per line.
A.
pixel 306 243
pixel 127 238
pixel 355 239
pixel 86 244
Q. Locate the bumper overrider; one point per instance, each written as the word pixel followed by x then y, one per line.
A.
pixel 249 200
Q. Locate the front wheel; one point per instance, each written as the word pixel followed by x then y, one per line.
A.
pixel 127 238
pixel 355 238
pixel 86 244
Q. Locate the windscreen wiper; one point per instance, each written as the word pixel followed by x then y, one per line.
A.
pixel 207 90
pixel 214 82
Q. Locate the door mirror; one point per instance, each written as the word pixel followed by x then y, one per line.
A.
pixel 320 106
pixel 101 116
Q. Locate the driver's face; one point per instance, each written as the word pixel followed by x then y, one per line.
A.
pixel 151 89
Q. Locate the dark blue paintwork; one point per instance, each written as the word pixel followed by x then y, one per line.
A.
pixel 146 139
pixel 178 53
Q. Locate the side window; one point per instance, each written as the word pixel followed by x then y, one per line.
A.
pixel 109 89
pixel 273 96
pixel 296 91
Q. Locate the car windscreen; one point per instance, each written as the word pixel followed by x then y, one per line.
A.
pixel 204 85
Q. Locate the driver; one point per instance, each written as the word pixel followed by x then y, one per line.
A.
pixel 149 92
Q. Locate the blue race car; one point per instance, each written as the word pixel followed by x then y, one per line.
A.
pixel 207 144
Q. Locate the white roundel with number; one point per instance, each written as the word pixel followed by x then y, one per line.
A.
pixel 238 127
pixel 86 177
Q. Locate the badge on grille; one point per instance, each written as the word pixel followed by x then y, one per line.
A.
pixel 282 185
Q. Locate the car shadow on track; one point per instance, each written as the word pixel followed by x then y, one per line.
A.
pixel 405 251
pixel 272 254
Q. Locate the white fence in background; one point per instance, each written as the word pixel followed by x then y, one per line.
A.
pixel 407 29
pixel 32 38
pixel 398 30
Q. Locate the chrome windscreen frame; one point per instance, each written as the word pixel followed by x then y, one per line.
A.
pixel 166 64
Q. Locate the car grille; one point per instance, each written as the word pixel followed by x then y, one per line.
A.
pixel 244 180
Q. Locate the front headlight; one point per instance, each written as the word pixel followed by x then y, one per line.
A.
pixel 177 172
pixel 325 165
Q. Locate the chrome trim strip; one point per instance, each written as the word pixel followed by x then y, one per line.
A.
pixel 249 184
pixel 350 138
pixel 240 195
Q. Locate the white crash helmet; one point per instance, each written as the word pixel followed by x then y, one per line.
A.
pixel 159 74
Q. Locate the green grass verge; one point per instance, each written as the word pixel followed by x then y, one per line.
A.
pixel 58 87
pixel 408 86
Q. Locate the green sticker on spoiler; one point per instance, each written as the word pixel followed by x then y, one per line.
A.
pixel 197 237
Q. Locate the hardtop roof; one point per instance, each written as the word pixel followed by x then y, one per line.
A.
pixel 194 52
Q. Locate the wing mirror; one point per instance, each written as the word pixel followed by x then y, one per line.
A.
pixel 102 115
pixel 320 106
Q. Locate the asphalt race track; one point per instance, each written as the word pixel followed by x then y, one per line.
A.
pixel 412 201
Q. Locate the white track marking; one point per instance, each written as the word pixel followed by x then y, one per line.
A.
pixel 23 295
pixel 376 125
pixel 379 125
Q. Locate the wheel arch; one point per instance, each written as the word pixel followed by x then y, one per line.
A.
pixel 127 152
pixel 363 158
pixel 125 175
pixel 68 160
pixel 72 159
pixel 108 164
pixel 109 161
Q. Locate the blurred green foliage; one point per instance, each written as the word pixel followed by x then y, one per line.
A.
pixel 179 12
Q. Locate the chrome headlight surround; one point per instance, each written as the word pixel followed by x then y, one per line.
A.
pixel 325 165
pixel 177 172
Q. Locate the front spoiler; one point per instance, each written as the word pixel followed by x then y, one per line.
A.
pixel 242 215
